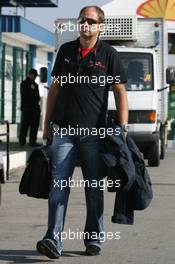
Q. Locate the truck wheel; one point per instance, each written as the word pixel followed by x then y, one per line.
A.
pixel 154 156
pixel 163 145
pixel 163 148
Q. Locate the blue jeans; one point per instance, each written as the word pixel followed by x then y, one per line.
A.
pixel 63 151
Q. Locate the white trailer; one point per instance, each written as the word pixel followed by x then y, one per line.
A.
pixel 143 47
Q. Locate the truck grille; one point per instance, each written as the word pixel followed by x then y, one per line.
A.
pixel 119 28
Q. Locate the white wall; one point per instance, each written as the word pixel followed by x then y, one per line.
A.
pixel 41 61
pixel 124 7
pixel 14 41
pixel 171 60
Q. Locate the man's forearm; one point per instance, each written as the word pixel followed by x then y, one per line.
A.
pixel 121 101
pixel 51 101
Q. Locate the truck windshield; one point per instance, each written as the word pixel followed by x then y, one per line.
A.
pixel 139 70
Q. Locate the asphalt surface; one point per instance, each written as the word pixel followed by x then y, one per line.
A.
pixel 151 240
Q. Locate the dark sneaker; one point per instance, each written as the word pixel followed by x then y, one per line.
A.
pixel 47 248
pixel 92 250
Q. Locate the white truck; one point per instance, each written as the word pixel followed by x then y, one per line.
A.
pixel 143 47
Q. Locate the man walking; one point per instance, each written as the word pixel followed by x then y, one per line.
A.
pixel 30 109
pixel 80 103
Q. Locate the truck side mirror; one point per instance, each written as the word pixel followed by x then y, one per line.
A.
pixel 170 75
pixel 43 74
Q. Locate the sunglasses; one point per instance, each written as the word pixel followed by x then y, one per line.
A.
pixel 90 21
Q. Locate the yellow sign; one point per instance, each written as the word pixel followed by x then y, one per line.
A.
pixel 158 9
pixel 147 77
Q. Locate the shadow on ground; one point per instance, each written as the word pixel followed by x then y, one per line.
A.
pixel 14 146
pixel 29 256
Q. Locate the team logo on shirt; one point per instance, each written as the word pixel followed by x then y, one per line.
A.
pixel 67 60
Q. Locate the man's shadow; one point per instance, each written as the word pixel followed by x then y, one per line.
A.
pixel 29 256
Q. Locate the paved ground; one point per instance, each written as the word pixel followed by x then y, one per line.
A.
pixel 151 240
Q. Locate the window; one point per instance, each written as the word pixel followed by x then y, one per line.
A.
pixel 139 70
pixel 171 43
pixel 8 70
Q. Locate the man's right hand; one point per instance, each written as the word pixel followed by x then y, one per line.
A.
pixel 47 135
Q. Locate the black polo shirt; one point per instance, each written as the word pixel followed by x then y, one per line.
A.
pixel 82 97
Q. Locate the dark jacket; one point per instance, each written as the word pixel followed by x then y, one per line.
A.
pixel 36 179
pixel 29 95
pixel 125 162
pixel 118 159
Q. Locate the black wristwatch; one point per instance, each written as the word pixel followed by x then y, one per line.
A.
pixel 125 127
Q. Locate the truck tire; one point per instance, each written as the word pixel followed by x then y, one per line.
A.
pixel 162 151
pixel 154 155
pixel 163 141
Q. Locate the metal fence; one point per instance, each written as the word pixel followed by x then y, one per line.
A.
pixel 7 134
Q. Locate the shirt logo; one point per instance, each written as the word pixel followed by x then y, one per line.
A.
pixel 98 64
pixel 67 60
pixel 32 86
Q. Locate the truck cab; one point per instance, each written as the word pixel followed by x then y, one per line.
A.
pixel 142 89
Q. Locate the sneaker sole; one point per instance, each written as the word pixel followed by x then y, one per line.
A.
pixel 47 248
pixel 90 251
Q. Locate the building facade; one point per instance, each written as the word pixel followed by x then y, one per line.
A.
pixel 23 45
